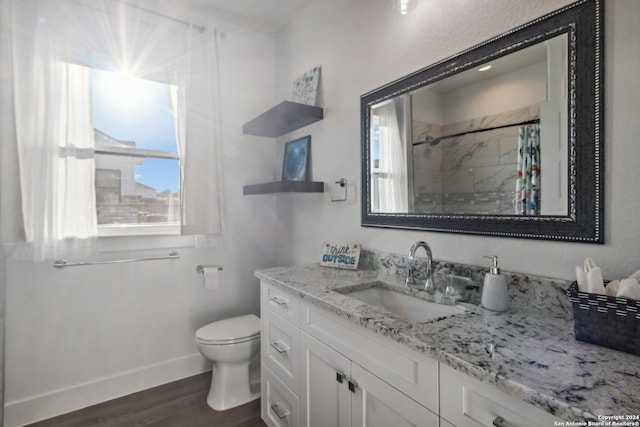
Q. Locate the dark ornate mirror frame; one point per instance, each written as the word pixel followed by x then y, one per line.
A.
pixel 583 22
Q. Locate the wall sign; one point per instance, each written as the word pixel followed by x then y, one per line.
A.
pixel 341 256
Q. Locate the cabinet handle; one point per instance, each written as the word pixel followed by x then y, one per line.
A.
pixel 500 422
pixel 280 346
pixel 339 377
pixel 279 412
pixel 352 386
pixel 279 300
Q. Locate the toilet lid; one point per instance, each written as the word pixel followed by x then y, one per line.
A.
pixel 229 330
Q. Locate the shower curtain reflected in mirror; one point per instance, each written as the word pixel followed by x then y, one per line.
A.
pixel 527 201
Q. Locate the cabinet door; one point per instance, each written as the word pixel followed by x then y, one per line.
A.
pixel 325 397
pixel 376 404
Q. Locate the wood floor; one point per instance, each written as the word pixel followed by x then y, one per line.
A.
pixel 178 404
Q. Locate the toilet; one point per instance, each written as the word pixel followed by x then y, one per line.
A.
pixel 233 345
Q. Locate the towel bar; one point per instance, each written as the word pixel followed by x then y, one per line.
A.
pixel 59 263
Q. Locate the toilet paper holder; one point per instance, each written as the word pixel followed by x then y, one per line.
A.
pixel 342 183
pixel 200 268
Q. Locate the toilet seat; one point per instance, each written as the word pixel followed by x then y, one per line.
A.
pixel 230 331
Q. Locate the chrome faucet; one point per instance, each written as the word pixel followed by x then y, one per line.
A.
pixel 429 286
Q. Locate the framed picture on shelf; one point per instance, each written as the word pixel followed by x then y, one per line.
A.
pixel 305 88
pixel 296 159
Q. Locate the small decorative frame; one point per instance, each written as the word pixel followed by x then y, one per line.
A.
pixel 296 159
pixel 305 87
pixel 341 256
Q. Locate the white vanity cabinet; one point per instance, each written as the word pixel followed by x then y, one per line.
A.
pixel 321 370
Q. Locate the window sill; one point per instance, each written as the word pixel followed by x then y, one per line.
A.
pixel 140 237
pixel 125 230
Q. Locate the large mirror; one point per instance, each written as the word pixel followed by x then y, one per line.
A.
pixel 503 139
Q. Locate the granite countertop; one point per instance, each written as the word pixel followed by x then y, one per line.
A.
pixel 529 352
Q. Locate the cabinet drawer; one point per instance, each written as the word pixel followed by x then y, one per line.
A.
pixel 284 304
pixel 281 349
pixel 469 402
pixel 412 373
pixel 280 407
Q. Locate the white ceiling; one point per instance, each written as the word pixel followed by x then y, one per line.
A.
pixel 268 16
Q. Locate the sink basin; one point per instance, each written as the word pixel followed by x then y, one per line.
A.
pixel 412 307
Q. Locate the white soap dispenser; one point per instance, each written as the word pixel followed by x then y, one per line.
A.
pixel 495 295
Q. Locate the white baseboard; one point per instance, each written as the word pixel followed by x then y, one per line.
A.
pixel 26 411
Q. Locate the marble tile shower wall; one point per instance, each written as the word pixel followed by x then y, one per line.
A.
pixel 473 173
pixel 525 291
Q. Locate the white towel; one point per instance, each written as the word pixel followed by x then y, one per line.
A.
pixel 595 282
pixel 636 276
pixel 581 278
pixel 589 278
pixel 589 264
pixel 629 288
pixel 612 288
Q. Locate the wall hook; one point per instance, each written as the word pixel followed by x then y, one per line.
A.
pixel 342 182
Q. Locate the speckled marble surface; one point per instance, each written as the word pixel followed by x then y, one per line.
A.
pixel 528 352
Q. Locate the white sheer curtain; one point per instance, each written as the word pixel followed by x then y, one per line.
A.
pixel 47 195
pixel 11 224
pixel 196 102
pixel 393 185
pixel 53 137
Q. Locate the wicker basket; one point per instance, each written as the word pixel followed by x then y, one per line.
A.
pixel 607 321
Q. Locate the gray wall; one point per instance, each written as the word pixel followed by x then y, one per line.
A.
pixel 361 45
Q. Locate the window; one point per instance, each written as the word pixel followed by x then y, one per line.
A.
pixel 137 175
